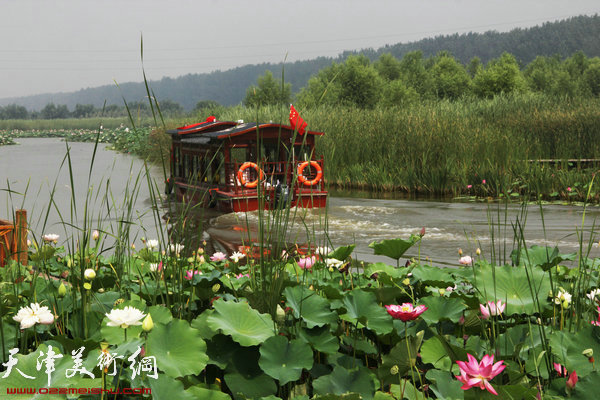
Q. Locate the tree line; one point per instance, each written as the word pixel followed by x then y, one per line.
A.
pixel 389 81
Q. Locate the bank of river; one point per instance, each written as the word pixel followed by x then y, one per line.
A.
pixel 31 169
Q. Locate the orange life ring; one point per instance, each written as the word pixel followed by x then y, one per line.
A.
pixel 302 178
pixel 240 175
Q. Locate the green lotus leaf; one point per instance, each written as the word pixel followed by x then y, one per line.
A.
pixel 406 390
pixel 434 352
pixel 206 394
pixel 401 357
pixel 441 308
pixel 361 345
pixel 347 396
pixel 308 305
pixel 383 268
pixel 244 377
pixel 587 387
pixel 512 286
pixel 245 325
pixel 394 248
pixel 178 348
pixel 160 314
pixel 383 396
pixel 362 307
pixel 544 257
pixel 440 277
pixel 320 338
pixel 200 323
pixel 166 387
pixel 285 360
pixel 443 384
pixel 220 350
pixel 342 381
pixel 567 346
pixel 342 252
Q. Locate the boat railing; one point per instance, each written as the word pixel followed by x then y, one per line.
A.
pixel 274 173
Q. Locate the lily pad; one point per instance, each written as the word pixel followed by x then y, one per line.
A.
pixel 284 360
pixel 362 307
pixel 320 338
pixel 308 305
pixel 244 324
pixel 178 348
pixel 441 308
pixel 342 381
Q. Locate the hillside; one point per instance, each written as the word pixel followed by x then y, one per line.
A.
pixel 229 87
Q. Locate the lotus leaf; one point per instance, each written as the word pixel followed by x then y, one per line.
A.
pixel 244 324
pixel 178 348
pixel 394 248
pixel 342 381
pixel 284 360
pixel 308 305
pixel 362 306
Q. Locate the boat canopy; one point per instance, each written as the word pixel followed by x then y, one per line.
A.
pixel 221 130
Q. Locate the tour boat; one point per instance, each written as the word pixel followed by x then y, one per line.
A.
pixel 237 166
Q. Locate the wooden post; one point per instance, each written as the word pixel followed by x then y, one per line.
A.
pixel 20 238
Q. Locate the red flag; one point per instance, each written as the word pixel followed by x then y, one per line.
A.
pixel 296 121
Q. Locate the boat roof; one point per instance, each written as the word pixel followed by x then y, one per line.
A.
pixel 228 129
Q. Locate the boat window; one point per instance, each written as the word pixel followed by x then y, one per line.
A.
pixel 238 155
pixel 302 152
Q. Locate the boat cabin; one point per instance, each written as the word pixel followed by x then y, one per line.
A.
pixel 238 166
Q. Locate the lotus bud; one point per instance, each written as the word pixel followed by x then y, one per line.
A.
pixel 442 291
pixel 478 251
pixel 69 262
pixel 406 281
pixel 216 287
pixel 588 353
pixel 62 290
pixel 147 323
pixel 279 314
pixel 460 252
pixel 330 269
pixel 394 370
pixel 132 246
pixel 95 235
pixel 422 233
pixel 89 274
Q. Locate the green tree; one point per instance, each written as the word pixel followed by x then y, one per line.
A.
pixel 53 111
pixel 268 91
pixel 450 79
pixel 591 77
pixel 474 66
pixel 396 93
pixel 501 75
pixel 415 75
pixel 360 83
pixel 84 111
pixel 13 111
pixel 322 88
pixel 388 67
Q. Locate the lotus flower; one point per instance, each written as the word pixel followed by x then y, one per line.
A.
pixel 332 262
pixel 563 297
pixel 306 262
pixel 466 260
pixel 189 275
pixel 176 249
pixel 492 309
pixel 34 314
pixel 597 323
pixel 474 374
pixel 322 250
pixel 128 316
pixel 572 381
pixel 95 235
pixel 50 237
pixel 562 371
pixel 237 256
pixel 218 256
pixel 405 312
pixel 151 244
pixel 592 295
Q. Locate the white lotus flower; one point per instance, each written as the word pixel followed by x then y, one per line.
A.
pixel 34 314
pixel 237 256
pixel 151 244
pixel 563 297
pixel 332 262
pixel 322 250
pixel 176 248
pixel 128 316
pixel 95 235
pixel 89 274
pixel 50 237
pixel 592 295
pixel 154 267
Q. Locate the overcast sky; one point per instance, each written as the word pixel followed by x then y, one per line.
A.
pixel 65 45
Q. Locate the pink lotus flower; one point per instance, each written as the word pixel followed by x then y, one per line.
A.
pixel 483 182
pixel 240 276
pixel 572 381
pixel 469 186
pixel 466 260
pixel 306 262
pixel 189 275
pixel 474 374
pixel 492 309
pixel 562 371
pixel 405 312
pixel 218 256
pixel 597 323
pixel 569 189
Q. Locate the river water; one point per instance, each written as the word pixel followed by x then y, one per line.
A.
pixel 32 170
